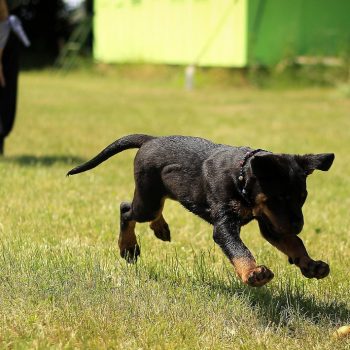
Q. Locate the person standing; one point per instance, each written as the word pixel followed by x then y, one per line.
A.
pixel 10 31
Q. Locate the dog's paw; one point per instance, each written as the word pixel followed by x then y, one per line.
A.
pixel 130 254
pixel 161 230
pixel 259 276
pixel 315 269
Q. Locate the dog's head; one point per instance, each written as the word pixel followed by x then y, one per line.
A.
pixel 280 188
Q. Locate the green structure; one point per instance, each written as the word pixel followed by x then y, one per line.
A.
pixel 228 33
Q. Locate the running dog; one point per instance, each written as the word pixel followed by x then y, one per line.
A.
pixel 227 187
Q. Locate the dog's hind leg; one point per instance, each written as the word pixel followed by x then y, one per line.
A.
pixel 146 206
pixel 129 249
pixel 160 227
pixel 149 201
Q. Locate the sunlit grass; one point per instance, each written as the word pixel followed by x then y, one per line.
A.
pixel 62 283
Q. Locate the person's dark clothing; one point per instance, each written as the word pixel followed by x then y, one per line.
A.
pixel 8 94
pixel 12 4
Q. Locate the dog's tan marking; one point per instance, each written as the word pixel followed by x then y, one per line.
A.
pixel 243 267
pixel 159 219
pixel 294 248
pixel 261 208
pixel 260 199
pixel 158 223
pixel 260 204
pixel 127 237
pixel 250 273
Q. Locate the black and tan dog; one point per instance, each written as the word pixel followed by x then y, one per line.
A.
pixel 227 187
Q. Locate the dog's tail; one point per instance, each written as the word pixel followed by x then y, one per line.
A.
pixel 126 142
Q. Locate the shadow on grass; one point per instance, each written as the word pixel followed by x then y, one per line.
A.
pixel 281 305
pixel 44 160
pixel 286 302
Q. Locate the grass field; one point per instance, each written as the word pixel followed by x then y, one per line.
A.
pixel 62 282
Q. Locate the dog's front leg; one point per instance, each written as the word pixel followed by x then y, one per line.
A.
pixel 294 248
pixel 226 235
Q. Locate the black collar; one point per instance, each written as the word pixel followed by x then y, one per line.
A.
pixel 242 185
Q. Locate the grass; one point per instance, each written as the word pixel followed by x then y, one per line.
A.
pixel 62 282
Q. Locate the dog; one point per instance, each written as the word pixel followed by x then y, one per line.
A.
pixel 227 187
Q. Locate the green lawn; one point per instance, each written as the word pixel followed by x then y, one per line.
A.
pixel 62 282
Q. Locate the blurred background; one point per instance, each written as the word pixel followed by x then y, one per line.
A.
pixel 51 25
pixel 308 39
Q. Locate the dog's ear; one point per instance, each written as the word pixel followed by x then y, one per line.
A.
pixel 311 162
pixel 266 166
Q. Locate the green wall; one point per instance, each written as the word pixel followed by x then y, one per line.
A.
pixel 204 32
pixel 231 33
pixel 283 28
